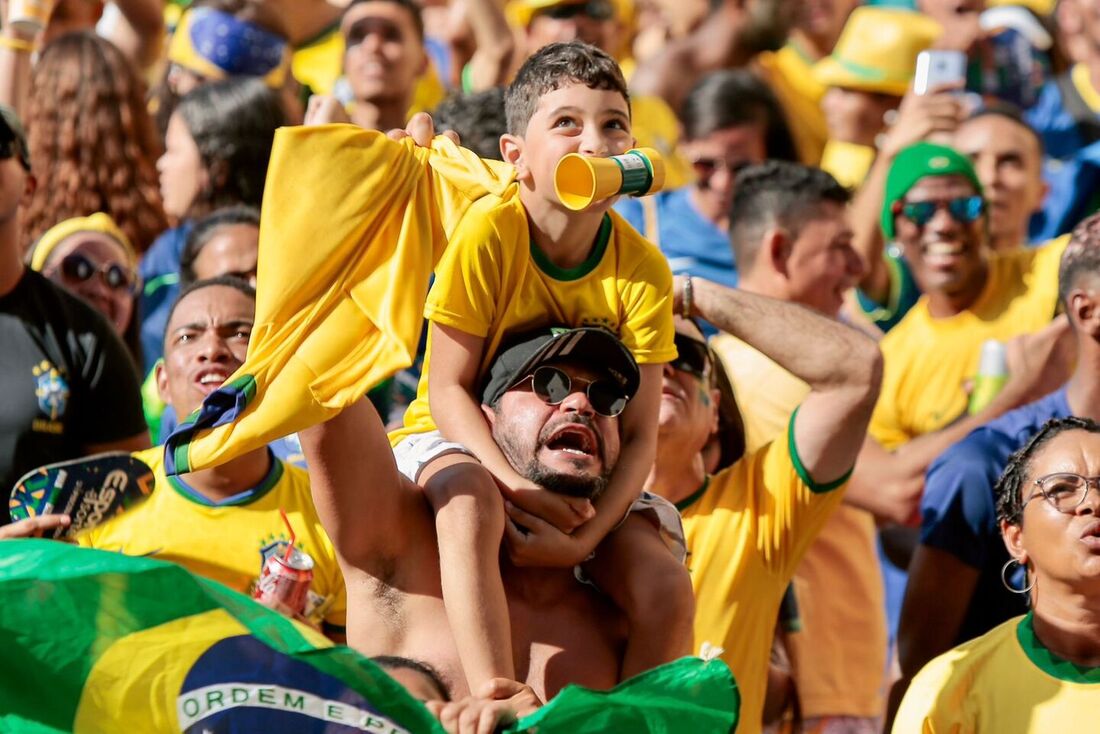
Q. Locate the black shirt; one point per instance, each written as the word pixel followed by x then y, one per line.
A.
pixel 66 380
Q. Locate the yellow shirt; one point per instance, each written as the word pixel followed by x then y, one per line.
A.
pixel 339 306
pixel 229 541
pixel 839 654
pixel 927 360
pixel 1003 681
pixel 790 75
pixel 747 529
pixel 493 282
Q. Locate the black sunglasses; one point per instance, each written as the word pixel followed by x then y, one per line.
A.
pixel 77 268
pixel 553 386
pixel 692 356
pixel 594 9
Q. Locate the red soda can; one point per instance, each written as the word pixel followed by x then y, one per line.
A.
pixel 284 582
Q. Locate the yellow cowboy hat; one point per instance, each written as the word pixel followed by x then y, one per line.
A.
pixel 877 50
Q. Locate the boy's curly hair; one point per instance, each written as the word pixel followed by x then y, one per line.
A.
pixel 93 147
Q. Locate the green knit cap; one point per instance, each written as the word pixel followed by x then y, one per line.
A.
pixel 916 162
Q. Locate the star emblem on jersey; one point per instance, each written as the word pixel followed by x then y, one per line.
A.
pixel 51 389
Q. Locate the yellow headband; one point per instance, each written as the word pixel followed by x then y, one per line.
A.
pixel 98 222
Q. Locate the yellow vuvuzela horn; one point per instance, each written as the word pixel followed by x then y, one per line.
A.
pixel 581 181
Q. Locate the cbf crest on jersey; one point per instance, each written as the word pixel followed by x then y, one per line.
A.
pixel 51 389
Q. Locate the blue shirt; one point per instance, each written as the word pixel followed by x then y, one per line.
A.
pixel 1071 167
pixel 959 514
pixel 160 269
pixel 692 244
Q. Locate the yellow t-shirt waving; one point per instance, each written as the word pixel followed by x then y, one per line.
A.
pixel 927 360
pixel 1003 681
pixel 493 281
pixel 229 541
pixel 747 529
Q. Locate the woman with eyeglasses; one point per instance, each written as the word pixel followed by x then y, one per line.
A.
pixel 92 257
pixel 730 120
pixel 1039 672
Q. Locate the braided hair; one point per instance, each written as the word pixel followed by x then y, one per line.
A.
pixel 93 147
pixel 1009 489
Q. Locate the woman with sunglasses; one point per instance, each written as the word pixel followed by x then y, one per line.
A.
pixel 92 258
pixel 1039 672
pixel 730 120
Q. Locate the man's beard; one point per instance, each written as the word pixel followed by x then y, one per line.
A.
pixel 529 467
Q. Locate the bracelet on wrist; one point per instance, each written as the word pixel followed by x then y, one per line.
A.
pixel 686 302
pixel 17 44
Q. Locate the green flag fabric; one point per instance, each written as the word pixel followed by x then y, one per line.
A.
pixel 94 641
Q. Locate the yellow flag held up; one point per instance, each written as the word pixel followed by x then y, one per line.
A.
pixel 352 225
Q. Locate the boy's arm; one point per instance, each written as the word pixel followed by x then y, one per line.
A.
pixel 452 387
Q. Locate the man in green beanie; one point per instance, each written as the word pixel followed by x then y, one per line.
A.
pixel 935 211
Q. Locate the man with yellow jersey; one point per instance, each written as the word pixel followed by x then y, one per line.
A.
pixel 223 523
pixel 749 525
pixel 934 208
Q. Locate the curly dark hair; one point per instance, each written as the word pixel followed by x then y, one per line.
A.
pixel 1009 489
pixel 93 147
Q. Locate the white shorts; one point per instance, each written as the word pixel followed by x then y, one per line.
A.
pixel 416 451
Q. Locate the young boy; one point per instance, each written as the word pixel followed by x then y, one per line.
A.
pixel 517 262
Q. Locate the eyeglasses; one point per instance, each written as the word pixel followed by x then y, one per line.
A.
pixel 594 9
pixel 78 268
pixel 553 386
pixel 692 356
pixel 964 209
pixel 705 168
pixel 1065 491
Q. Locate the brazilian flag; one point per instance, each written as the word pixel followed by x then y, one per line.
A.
pixel 92 641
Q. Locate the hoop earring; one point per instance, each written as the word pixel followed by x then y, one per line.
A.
pixel 1010 587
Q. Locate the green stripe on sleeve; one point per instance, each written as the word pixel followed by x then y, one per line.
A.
pixel 799 467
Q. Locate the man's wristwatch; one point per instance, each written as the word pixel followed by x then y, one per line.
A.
pixel 687 298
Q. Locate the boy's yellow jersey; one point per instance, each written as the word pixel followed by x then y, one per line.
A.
pixel 229 541
pixel 1004 681
pixel 493 281
pixel 747 529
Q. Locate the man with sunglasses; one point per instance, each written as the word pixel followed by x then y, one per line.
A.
pixel 791 235
pixel 748 526
pixel 956 591
pixel 935 211
pixel 69 387
pixel 553 399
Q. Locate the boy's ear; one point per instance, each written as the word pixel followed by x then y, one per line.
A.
pixel 511 150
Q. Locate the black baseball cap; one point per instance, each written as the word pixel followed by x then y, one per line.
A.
pixel 590 345
pixel 13 139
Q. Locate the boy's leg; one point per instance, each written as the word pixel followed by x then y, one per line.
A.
pixel 652 588
pixel 469 521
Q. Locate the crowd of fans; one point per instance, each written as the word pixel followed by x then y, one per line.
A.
pixel 747 417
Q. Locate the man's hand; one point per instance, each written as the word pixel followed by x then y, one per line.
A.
pixel 33 527
pixel 500 702
pixel 324 109
pixel 1038 363
pixel 542 544
pixel 922 117
pixel 563 512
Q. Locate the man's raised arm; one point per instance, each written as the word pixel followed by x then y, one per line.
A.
pixel 356 487
pixel 842 366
